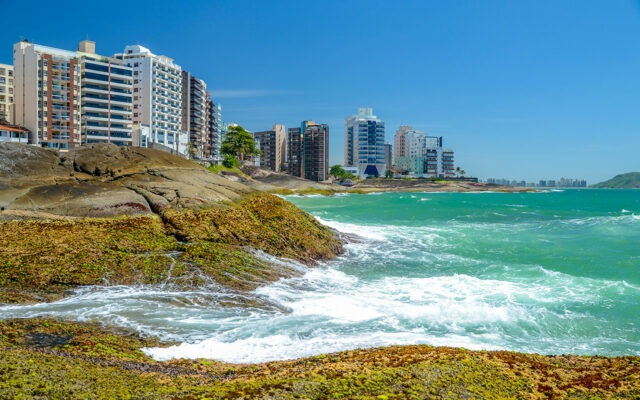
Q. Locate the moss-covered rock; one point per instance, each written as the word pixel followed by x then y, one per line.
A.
pixel 262 221
pixel 41 260
pixel 52 359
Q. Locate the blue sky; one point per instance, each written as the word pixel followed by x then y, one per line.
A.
pixel 519 89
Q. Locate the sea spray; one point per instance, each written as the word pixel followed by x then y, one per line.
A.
pixel 555 273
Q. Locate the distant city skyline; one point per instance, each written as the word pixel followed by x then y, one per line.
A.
pixel 520 90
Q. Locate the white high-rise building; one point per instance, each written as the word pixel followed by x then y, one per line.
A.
pixel 157 97
pixel 364 143
pixel 418 142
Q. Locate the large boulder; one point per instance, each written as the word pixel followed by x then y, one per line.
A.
pixel 105 180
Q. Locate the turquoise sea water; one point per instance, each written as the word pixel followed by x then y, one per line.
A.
pixel 554 272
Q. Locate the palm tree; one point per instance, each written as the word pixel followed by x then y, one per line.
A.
pixel 458 171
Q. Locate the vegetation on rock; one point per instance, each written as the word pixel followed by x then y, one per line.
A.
pixel 57 360
pixel 42 259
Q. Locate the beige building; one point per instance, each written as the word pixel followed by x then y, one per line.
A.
pixel 47 101
pixel 400 142
pixel 6 92
pixel 273 147
pixel 67 98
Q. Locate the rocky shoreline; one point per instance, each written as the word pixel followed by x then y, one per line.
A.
pixel 53 359
pixel 104 215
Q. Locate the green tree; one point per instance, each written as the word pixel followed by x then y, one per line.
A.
pixel 338 172
pixel 388 174
pixel 239 143
pixel 230 161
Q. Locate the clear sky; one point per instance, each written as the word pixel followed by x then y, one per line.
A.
pixel 524 89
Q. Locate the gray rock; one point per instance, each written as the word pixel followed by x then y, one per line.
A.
pixel 106 180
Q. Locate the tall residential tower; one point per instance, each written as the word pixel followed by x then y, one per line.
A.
pixel 66 98
pixel 273 147
pixel 364 143
pixel 157 96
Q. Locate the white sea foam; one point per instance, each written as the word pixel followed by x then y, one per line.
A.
pixel 365 231
pixel 281 347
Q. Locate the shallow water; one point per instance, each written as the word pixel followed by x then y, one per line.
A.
pixel 555 272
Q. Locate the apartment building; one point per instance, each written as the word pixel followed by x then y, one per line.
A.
pixel 364 143
pixel 388 155
pixel 436 162
pixel 106 100
pixel 418 142
pixel 157 97
pixel 47 94
pixel 6 92
pixel 214 130
pixel 194 113
pixel 400 144
pixel 315 151
pixel 67 98
pixel 295 152
pixel 272 146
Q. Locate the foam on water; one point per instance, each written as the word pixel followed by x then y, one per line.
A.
pixel 451 271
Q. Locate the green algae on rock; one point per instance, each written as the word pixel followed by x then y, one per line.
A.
pixel 41 259
pixel 52 359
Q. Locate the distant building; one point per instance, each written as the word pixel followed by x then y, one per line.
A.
pixel 413 165
pixel 194 113
pixel 388 155
pixel 273 147
pixel 6 92
pixel 308 151
pixel 437 162
pixel 316 151
pixel 418 142
pixel 214 130
pixel 400 143
pixel 13 133
pixel 364 143
pixel 294 152
pixel 157 96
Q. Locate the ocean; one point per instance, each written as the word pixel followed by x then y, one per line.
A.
pixel 553 272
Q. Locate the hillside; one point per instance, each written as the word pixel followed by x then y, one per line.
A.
pixel 630 180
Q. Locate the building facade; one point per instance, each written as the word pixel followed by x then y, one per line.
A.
pixel 273 147
pixel 67 98
pixel 400 144
pixel 364 143
pixel 13 133
pixel 418 142
pixel 388 155
pixel 47 94
pixel 157 97
pixel 106 98
pixel 6 92
pixel 295 152
pixel 214 130
pixel 194 114
pixel 436 162
pixel 315 151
